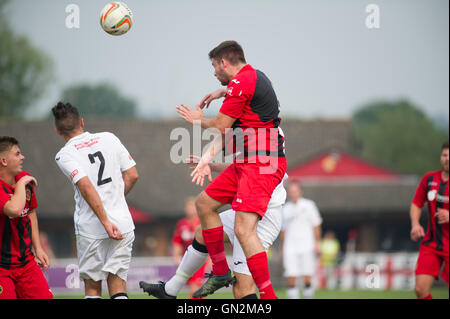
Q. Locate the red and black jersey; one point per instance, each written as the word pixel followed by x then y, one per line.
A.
pixel 185 232
pixel 252 101
pixel 434 191
pixel 15 233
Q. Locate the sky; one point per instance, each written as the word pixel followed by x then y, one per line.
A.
pixel 323 60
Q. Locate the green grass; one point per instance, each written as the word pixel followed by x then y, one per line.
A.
pixel 438 293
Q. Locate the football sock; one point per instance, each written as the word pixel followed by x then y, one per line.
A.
pixel 192 260
pixel 427 297
pixel 308 292
pixel 293 293
pixel 120 295
pixel 213 238
pixel 259 268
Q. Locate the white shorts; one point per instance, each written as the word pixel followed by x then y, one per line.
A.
pixel 298 264
pixel 99 257
pixel 268 230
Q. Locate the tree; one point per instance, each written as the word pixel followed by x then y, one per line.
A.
pixel 398 136
pixel 25 71
pixel 102 100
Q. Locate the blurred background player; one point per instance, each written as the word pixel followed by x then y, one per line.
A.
pixel 183 237
pixel 329 253
pixel 102 173
pixel 244 286
pixel 20 275
pixel 300 241
pixel 433 190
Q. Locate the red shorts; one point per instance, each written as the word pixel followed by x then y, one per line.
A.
pixel 248 187
pixel 27 282
pixel 430 263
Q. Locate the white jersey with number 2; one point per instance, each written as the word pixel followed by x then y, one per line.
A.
pixel 102 158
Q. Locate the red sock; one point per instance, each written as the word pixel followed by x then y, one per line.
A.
pixel 213 238
pixel 259 268
pixel 427 297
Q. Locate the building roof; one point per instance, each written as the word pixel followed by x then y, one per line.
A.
pixel 337 165
pixel 163 185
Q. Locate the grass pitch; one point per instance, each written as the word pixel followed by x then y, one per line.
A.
pixel 438 293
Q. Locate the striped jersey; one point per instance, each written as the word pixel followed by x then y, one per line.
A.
pixel 252 101
pixel 15 233
pixel 433 191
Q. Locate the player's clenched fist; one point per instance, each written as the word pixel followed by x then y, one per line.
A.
pixel 417 232
pixel 113 231
pixel 442 216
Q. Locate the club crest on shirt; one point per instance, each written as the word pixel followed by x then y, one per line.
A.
pixel 431 195
pixel 28 194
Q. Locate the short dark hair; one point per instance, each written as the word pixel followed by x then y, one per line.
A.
pixel 6 142
pixel 229 50
pixel 66 116
pixel 444 146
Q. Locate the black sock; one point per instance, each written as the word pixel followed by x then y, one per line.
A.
pixel 252 296
pixel 199 247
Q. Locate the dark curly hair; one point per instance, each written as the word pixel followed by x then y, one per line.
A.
pixel 66 116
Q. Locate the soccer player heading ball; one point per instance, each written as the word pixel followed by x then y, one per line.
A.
pixel 250 112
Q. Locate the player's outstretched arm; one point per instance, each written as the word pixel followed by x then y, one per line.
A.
pixel 215 167
pixel 130 177
pixel 416 229
pixel 91 196
pixel 203 169
pixel 208 98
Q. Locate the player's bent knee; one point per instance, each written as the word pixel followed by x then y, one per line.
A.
pixel 201 203
pixel 421 291
pixel 244 231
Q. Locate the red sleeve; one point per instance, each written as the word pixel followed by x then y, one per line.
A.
pixel 176 239
pixel 4 198
pixel 237 97
pixel 421 193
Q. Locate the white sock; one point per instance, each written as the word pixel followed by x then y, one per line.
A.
pixel 308 292
pixel 191 262
pixel 293 293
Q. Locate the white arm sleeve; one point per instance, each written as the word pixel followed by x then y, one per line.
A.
pixel 124 157
pixel 70 167
pixel 316 219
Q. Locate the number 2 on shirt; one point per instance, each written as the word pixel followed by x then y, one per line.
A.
pixel 100 181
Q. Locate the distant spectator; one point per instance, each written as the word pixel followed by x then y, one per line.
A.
pixel 300 241
pixel 329 253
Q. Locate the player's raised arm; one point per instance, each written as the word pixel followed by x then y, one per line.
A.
pixel 203 169
pixel 193 160
pixel 208 98
pixel 91 196
pixel 14 207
